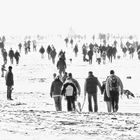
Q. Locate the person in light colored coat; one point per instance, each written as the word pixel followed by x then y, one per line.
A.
pixel 114 94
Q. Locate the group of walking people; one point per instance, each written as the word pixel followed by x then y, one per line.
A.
pixel 70 88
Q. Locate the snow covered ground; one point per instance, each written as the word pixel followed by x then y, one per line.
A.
pixel 31 115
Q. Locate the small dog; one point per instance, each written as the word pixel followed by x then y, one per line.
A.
pixel 128 93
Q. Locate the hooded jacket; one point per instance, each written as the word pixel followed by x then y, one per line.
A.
pixel 67 83
pixel 119 83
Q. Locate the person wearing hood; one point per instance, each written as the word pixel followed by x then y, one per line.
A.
pixel 70 92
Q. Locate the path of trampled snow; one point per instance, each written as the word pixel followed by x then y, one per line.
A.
pixel 31 115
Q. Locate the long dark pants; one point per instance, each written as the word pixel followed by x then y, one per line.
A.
pixel 17 61
pixel 58 104
pixel 9 92
pixel 70 103
pixel 94 96
pixel 114 100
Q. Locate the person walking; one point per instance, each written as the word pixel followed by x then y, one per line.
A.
pixel 17 55
pixel 106 98
pixel 9 82
pixel 90 87
pixel 114 85
pixel 70 93
pixel 78 88
pixel 11 55
pixel 76 83
pixel 55 92
pixel 42 50
pixel 61 66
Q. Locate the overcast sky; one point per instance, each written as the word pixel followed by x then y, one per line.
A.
pixel 42 16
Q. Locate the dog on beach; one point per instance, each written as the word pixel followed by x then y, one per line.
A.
pixel 128 93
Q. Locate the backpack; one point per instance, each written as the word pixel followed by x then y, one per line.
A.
pixel 113 83
pixel 69 90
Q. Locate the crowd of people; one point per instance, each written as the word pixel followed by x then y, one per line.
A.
pixel 64 84
pixel 70 88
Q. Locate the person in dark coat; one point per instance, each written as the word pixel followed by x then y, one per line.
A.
pixel 20 46
pixel 90 87
pixel 61 66
pixel 49 49
pixel 9 82
pixel 42 50
pixel 11 55
pixel 17 55
pixel 53 54
pixel 75 49
pixel 90 55
pixel 55 93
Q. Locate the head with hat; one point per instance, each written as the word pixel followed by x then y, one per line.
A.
pixel 112 72
pixel 90 73
pixel 10 68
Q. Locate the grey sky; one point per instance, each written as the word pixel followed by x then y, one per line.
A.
pixel 41 16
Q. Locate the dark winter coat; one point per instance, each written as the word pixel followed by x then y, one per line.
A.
pixel 9 79
pixel 61 64
pixel 90 53
pixel 91 84
pixel 56 87
pixel 17 55
pixel 42 50
pixel 11 53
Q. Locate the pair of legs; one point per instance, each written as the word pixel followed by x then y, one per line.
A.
pixel 70 103
pixel 94 97
pixel 9 92
pixel 108 103
pixel 58 103
pixel 114 100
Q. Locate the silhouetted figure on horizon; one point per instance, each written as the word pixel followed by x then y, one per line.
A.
pixel 11 55
pixel 61 66
pixel 9 82
pixel 17 55
pixel 42 50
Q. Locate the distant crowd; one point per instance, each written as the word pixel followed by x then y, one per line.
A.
pixel 64 84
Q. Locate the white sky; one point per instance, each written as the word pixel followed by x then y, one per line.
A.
pixel 45 16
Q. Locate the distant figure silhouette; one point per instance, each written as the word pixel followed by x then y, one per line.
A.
pixel 42 50
pixel 17 55
pixel 11 55
pixel 61 66
pixel 9 82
